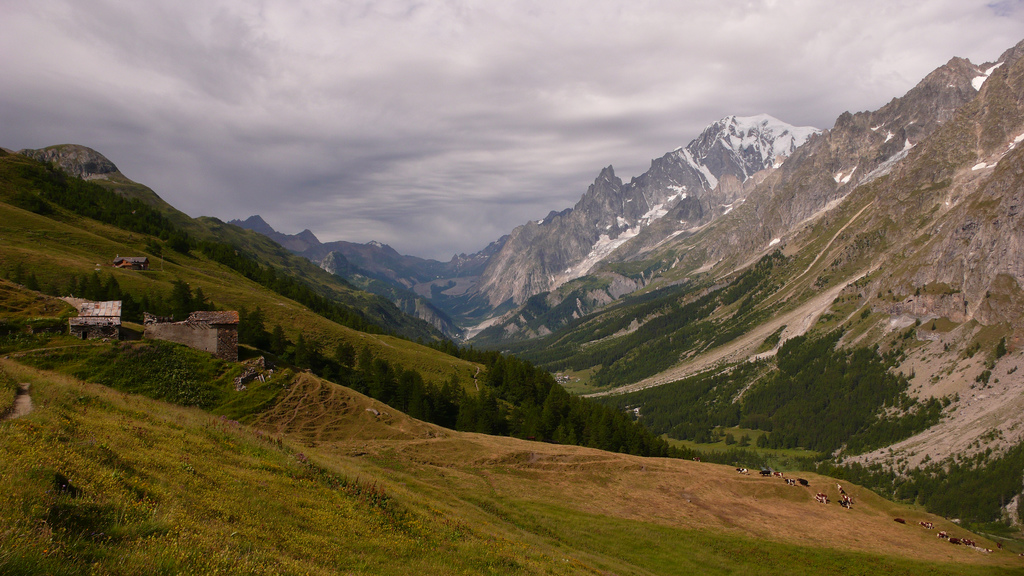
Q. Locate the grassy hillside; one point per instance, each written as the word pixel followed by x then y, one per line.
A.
pixel 100 481
pixel 48 248
pixel 165 234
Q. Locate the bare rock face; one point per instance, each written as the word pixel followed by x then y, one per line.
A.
pixel 692 184
pixel 859 149
pixel 80 161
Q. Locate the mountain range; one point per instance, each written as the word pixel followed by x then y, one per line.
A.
pixel 899 217
pixel 847 301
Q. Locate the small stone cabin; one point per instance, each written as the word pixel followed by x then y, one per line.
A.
pixel 132 262
pixel 210 331
pixel 96 320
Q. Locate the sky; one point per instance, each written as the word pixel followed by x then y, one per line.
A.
pixel 438 126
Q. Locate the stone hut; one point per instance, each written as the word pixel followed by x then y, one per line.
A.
pixel 132 262
pixel 96 320
pixel 210 331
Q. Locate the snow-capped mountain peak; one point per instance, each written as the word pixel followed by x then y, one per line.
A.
pixel 744 145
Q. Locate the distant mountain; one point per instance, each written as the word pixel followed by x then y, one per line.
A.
pixel 689 186
pixel 409 282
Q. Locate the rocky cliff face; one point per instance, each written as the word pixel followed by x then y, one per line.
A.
pixel 80 161
pixel 858 149
pixel 693 183
pixel 969 180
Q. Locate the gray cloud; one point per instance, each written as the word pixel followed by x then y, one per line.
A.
pixel 438 126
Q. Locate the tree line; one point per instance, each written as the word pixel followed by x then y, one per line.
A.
pixel 515 398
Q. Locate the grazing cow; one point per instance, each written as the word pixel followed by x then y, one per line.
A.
pixel 802 482
pixel 942 534
pixel 777 474
pixel 742 470
pixel 926 525
pixel 695 459
pixel 840 488
pixel 900 520
pixel 790 482
pixel 999 545
pixel 968 542
pixel 766 472
pixel 847 501
pixel 954 541
pixel 820 497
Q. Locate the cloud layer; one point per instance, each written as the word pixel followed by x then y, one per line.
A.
pixel 437 126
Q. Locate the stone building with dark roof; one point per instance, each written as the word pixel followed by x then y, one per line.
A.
pixel 215 332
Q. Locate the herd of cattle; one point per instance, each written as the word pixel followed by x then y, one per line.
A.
pixel 847 502
pixel 951 539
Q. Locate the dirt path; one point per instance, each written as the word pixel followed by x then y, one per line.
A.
pixel 22 403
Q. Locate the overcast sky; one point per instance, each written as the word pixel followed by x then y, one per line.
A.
pixel 438 126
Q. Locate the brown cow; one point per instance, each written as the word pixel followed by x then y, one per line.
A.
pixel 900 520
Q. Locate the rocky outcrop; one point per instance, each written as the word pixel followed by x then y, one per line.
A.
pixel 80 161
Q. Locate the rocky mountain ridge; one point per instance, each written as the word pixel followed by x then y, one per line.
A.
pixel 541 256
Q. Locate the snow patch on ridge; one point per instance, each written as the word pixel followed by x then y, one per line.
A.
pixel 712 182
pixel 604 246
pixel 977 81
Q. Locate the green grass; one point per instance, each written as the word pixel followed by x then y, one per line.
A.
pixel 8 391
pixel 737 433
pixel 666 550
pixel 164 371
pixel 100 482
pixel 580 381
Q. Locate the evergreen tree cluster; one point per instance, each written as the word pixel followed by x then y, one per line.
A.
pixel 178 303
pixel 816 397
pixel 974 489
pixel 515 397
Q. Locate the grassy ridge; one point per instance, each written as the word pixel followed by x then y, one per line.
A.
pixel 99 481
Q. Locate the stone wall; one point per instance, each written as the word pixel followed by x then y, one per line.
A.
pixel 94 332
pixel 227 343
pixel 221 341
